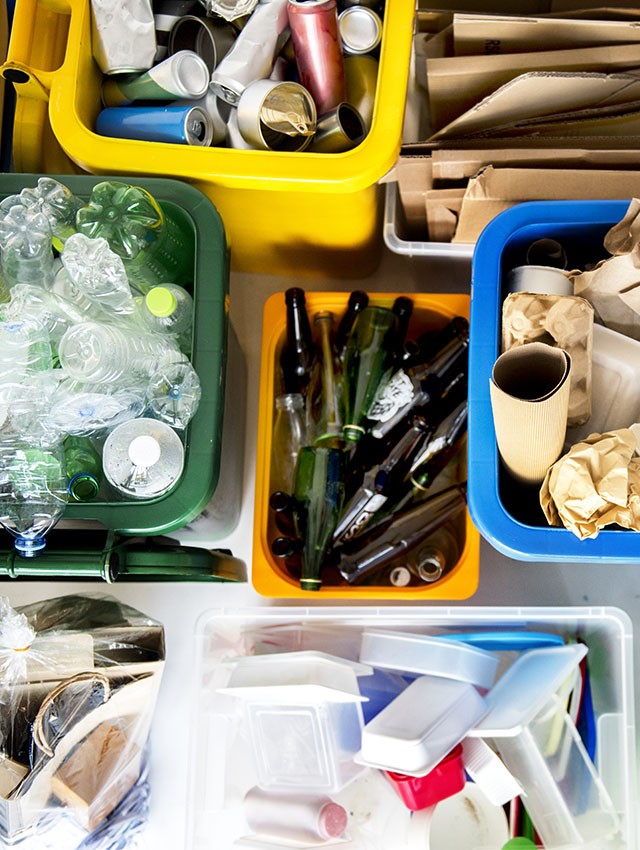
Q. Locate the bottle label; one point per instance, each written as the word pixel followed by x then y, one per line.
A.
pixel 371 508
pixel 392 396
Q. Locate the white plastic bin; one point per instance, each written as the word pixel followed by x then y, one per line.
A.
pixel 221 766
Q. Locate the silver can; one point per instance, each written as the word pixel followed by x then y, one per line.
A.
pixel 360 30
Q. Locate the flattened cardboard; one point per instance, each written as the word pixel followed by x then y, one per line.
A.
pixel 456 84
pixel 442 208
pixel 430 46
pixel 541 94
pixel 414 179
pixel 497 189
pixel 477 35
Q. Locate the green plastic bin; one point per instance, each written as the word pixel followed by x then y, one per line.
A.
pixel 203 435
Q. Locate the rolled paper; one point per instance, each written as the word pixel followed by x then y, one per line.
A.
pixel 529 393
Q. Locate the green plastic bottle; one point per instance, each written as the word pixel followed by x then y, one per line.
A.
pixel 156 247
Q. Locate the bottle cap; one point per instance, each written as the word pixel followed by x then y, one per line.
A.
pixel 144 451
pixel 160 301
pixel 332 821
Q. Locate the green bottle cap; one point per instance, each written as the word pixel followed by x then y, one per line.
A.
pixel 160 301
pixel 519 843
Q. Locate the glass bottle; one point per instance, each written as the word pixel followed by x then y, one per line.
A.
pixel 428 344
pixel 440 553
pixel 156 247
pixel 371 352
pixel 381 482
pixel 324 397
pixel 403 308
pixel 84 468
pixel 358 300
pixel 298 354
pixel 33 491
pixel 288 438
pixel 414 387
pixel 318 494
pixel 402 534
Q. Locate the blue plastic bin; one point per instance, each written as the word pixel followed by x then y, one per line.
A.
pixel 504 514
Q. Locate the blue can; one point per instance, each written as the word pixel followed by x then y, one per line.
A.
pixel 186 125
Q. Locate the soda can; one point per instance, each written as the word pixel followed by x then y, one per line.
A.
pixel 186 125
pixel 319 58
pixel 339 130
pixel 360 30
pixel 185 74
pixel 123 35
pixel 361 73
pixel 210 39
pixel 165 14
pixel 217 110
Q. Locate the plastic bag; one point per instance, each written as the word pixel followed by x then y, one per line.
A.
pixel 79 677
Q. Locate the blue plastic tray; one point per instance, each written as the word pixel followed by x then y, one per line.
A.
pixel 500 511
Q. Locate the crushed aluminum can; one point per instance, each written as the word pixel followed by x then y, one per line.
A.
pixel 123 35
pixel 230 10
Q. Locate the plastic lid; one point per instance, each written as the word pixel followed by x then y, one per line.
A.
pixel 29 547
pixel 160 301
pixel 332 821
pixel 144 450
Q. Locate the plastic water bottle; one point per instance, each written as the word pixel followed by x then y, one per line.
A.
pixel 36 302
pixel 174 393
pixel 64 287
pixel 156 247
pixel 99 273
pixel 27 255
pixel 57 202
pixel 83 467
pixel 102 353
pixel 93 414
pixel 168 309
pixel 24 349
pixel 25 406
pixel 143 458
pixel 33 492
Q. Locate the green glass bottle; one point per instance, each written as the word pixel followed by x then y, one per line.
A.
pixel 319 495
pixel 84 468
pixel 156 247
pixel 324 396
pixel 370 354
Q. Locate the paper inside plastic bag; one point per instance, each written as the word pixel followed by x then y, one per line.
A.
pixel 613 285
pixel 595 484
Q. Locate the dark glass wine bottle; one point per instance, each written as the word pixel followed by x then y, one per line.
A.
pixel 381 482
pixel 319 496
pixel 370 355
pixel 358 300
pixel 373 552
pixel 414 387
pixel 403 308
pixel 298 353
pixel 429 343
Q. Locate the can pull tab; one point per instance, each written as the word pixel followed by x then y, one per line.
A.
pixel 288 115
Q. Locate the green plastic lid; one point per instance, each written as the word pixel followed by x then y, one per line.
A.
pixel 519 843
pixel 160 301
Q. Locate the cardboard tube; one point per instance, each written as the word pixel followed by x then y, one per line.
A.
pixel 529 393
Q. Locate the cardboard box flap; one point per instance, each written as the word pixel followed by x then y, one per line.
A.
pixel 456 84
pixel 595 124
pixel 540 94
pixel 476 35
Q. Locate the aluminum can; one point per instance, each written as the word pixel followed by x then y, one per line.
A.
pixel 187 125
pixel 360 30
pixel 361 73
pixel 210 39
pixel 318 51
pixel 339 130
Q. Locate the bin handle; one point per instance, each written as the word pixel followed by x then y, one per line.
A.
pixel 34 38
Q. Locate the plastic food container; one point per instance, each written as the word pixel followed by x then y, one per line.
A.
pixel 222 765
pixel 269 575
pixel 285 212
pixel 506 515
pixel 203 435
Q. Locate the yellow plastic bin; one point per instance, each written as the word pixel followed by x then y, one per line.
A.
pixel 270 575
pixel 284 213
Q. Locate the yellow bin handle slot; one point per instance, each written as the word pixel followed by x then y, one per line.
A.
pixel 37 45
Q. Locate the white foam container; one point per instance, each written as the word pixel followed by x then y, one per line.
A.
pixel 221 769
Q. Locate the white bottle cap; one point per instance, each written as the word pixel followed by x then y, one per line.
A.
pixel 144 451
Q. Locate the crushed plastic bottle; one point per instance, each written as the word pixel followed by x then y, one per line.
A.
pixel 33 492
pixel 57 202
pixel 93 414
pixel 56 314
pixel 174 393
pixel 27 255
pixel 99 274
pixel 25 348
pixel 155 246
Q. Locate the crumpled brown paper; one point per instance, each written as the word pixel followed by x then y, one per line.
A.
pixel 613 285
pixel 595 484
